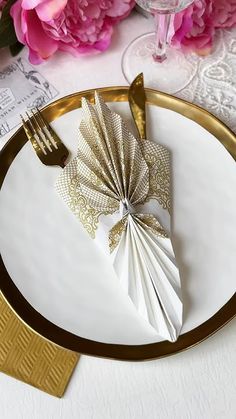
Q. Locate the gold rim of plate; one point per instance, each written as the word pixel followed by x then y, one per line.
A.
pixel 63 338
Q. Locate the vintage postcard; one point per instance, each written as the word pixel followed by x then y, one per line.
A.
pixel 22 87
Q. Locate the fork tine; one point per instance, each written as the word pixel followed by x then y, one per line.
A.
pixel 42 137
pixel 40 132
pixel 30 135
pixel 47 128
pixel 35 133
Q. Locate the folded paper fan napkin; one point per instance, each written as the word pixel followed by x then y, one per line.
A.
pixel 118 186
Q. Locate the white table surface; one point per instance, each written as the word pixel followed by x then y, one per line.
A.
pixel 197 384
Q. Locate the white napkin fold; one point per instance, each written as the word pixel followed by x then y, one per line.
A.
pixel 118 187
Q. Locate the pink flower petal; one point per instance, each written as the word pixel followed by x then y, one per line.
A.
pixel 34 57
pixel 120 8
pixel 31 4
pixel 50 9
pixel 36 37
pixel 15 13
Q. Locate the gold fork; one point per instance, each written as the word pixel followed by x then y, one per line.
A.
pixel 46 143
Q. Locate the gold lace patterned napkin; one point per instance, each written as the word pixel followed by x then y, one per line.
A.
pixel 119 188
pixel 30 358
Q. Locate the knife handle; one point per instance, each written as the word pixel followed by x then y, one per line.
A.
pixel 137 103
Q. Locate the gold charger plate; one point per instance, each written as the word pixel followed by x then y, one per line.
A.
pixel 68 340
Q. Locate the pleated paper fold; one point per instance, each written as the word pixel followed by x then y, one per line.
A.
pixel 118 186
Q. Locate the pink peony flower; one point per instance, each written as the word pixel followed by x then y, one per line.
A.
pixel 224 13
pixel 195 26
pixel 75 26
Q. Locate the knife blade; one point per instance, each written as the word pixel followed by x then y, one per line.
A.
pixel 137 102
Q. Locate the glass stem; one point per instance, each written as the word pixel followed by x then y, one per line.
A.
pixel 163 23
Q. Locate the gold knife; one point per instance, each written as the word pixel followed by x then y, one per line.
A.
pixel 137 102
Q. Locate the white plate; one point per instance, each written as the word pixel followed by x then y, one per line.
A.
pixel 66 278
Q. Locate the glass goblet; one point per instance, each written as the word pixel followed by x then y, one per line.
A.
pixel 164 68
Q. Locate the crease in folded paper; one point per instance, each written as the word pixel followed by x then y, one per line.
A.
pixel 109 186
pixel 145 263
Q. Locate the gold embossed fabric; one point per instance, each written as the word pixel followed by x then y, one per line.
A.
pixel 30 358
pixel 119 188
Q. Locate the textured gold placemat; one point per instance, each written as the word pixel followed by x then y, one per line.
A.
pixel 30 358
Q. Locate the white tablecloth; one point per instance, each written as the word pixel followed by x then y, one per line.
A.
pixel 197 384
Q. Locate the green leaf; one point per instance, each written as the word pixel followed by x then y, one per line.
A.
pixel 7 31
pixel 16 48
